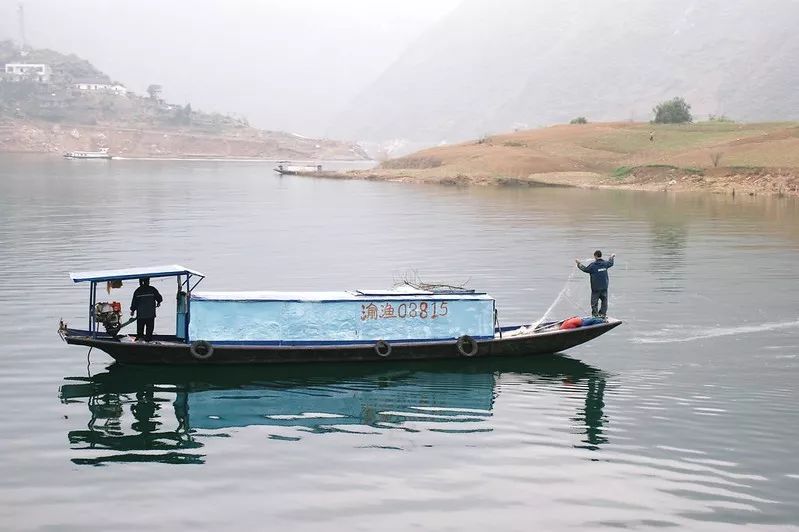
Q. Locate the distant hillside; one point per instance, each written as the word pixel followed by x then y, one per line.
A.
pixel 719 157
pixel 608 148
pixel 66 68
pixel 61 101
pixel 491 67
pixel 80 108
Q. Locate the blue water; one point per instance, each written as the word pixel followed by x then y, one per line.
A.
pixel 685 416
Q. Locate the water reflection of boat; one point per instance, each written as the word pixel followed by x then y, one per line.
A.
pixel 129 406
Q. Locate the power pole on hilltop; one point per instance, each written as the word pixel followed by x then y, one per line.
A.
pixel 24 42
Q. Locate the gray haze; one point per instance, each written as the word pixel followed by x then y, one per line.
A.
pixel 285 65
pixel 489 68
pixel 436 71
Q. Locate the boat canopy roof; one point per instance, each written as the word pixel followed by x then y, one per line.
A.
pixel 170 270
pixel 354 295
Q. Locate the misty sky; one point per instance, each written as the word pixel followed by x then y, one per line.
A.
pixel 286 65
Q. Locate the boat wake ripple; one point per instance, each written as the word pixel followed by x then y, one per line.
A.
pixel 667 336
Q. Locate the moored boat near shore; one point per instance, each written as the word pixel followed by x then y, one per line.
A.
pixel 403 323
pixel 288 169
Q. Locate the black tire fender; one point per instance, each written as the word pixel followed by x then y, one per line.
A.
pixel 201 350
pixel 382 348
pixel 467 346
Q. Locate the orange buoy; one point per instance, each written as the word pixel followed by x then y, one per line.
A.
pixel 572 323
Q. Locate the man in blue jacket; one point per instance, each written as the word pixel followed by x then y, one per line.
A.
pixel 599 282
pixel 145 299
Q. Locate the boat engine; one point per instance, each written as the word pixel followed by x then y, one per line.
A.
pixel 109 314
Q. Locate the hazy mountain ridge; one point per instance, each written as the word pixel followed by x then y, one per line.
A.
pixel 489 68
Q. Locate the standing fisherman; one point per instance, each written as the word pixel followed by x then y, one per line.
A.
pixel 599 282
pixel 145 299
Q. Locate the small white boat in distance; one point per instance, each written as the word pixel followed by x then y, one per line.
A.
pixel 286 169
pixel 101 154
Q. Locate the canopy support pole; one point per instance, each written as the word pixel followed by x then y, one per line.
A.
pixel 92 301
pixel 189 288
pixel 195 284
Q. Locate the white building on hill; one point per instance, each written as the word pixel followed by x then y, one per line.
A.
pixel 101 86
pixel 28 71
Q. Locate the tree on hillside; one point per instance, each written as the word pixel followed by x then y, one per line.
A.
pixel 186 114
pixel 579 120
pixel 154 91
pixel 182 115
pixel 676 111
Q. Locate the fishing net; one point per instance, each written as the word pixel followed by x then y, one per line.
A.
pixel 412 279
pixel 566 304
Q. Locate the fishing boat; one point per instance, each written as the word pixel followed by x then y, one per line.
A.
pixel 100 154
pixel 287 169
pixel 402 323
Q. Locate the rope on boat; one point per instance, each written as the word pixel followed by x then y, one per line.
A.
pixel 562 295
pixel 496 323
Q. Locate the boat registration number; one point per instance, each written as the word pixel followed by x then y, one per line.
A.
pixel 422 310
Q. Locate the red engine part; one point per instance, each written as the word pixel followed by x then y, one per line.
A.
pixel 116 306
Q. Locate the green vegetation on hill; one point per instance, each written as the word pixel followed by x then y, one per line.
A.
pixel 61 101
pixel 674 111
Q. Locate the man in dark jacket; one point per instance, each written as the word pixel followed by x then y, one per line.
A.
pixel 145 299
pixel 599 282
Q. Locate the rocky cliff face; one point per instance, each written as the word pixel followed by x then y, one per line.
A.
pixel 521 63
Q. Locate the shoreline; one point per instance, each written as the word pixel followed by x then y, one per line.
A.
pixel 204 158
pixel 752 182
pixel 708 157
pixel 124 141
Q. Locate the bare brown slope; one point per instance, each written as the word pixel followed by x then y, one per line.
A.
pixel 712 155
pixel 603 148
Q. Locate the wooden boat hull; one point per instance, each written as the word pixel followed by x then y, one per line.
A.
pixel 299 172
pixel 167 351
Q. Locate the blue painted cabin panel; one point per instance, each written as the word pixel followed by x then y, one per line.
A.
pixel 345 320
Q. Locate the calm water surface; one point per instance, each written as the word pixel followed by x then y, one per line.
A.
pixel 685 416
